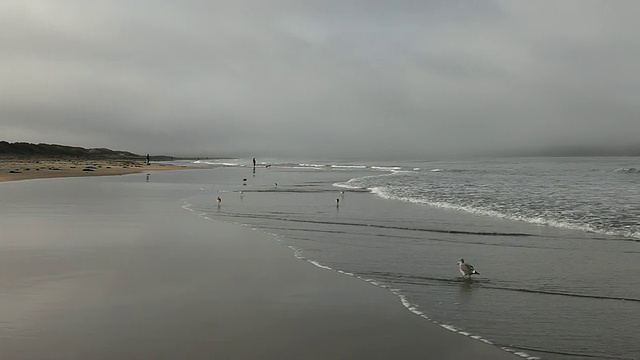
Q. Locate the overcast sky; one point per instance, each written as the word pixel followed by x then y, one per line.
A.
pixel 325 78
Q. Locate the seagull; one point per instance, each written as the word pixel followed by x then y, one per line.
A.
pixel 466 269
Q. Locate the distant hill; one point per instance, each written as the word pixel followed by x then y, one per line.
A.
pixel 27 150
pixel 577 151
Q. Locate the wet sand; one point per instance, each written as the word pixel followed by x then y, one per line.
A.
pixel 114 267
pixel 23 169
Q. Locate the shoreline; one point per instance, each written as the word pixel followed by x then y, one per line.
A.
pixel 139 277
pixel 13 169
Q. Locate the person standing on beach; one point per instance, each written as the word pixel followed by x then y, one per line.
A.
pixel 148 163
pixel 254 163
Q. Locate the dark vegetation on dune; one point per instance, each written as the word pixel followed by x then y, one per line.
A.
pixel 28 150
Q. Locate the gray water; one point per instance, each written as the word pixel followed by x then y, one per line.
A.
pixel 556 241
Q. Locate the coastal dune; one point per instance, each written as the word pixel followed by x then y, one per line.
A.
pixel 117 267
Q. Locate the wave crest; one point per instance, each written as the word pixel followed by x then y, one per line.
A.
pixel 627 171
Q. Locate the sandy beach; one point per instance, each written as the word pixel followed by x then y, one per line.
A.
pixel 23 169
pixel 116 267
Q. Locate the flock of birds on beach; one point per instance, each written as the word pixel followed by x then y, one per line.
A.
pixel 466 269
pixel 244 182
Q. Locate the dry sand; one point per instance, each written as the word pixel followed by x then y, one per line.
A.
pixel 23 169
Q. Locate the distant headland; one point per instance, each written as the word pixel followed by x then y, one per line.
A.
pixel 54 151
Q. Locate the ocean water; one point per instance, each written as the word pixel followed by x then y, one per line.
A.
pixel 556 240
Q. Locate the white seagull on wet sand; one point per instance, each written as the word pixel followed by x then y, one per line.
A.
pixel 466 269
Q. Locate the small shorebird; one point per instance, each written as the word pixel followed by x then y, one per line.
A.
pixel 218 200
pixel 466 269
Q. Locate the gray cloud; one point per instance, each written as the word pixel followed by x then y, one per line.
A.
pixel 319 78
